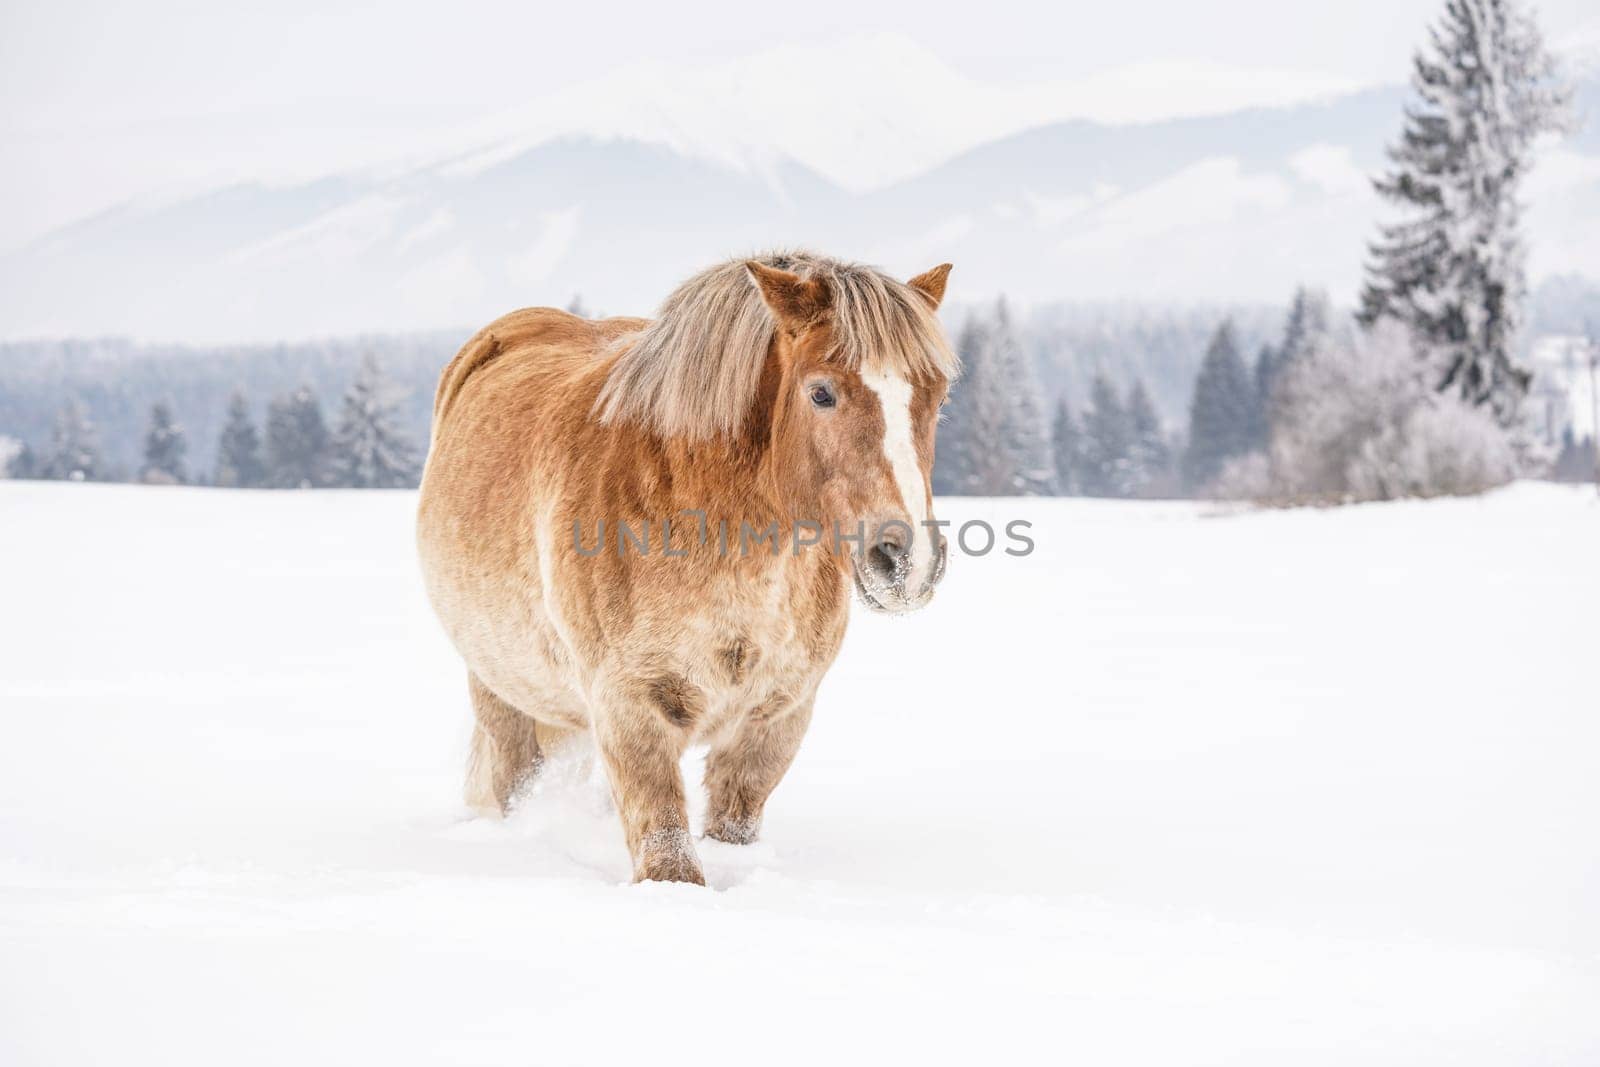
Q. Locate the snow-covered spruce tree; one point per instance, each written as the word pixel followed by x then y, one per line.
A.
pixel 1066 442
pixel 239 464
pixel 1221 419
pixel 1149 457
pixel 1308 326
pixel 1027 433
pixel 1452 272
pixel 954 463
pixel 164 448
pixel 1107 442
pixel 74 447
pixel 993 442
pixel 1265 375
pixel 370 451
pixel 1310 322
pixel 297 441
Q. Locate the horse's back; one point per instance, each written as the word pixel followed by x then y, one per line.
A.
pixel 510 405
pixel 508 408
pixel 544 337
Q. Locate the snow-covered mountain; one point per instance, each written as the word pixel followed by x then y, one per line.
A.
pixel 864 112
pixel 617 189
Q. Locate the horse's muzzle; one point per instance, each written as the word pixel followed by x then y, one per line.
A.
pixel 882 578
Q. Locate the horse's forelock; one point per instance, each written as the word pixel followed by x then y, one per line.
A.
pixel 695 370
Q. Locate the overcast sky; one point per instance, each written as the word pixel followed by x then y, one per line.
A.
pixel 103 99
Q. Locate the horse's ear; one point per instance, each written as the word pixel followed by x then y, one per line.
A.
pixel 792 298
pixel 930 283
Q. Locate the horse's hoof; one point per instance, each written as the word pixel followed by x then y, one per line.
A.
pixel 733 831
pixel 668 856
pixel 684 875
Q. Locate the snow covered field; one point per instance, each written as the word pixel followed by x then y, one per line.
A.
pixel 1181 787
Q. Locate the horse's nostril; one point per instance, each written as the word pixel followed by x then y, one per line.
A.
pixel 881 560
pixel 887 559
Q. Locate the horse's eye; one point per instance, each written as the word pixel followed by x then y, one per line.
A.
pixel 822 396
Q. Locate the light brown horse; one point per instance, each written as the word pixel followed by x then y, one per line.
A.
pixel 771 436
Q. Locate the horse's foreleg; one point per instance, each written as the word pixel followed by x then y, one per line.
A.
pixel 742 771
pixel 505 751
pixel 641 750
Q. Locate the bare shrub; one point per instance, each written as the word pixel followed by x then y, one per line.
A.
pixel 1356 420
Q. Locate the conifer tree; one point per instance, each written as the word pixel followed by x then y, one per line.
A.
pixel 239 464
pixel 1264 375
pixel 370 451
pixel 297 441
pixel 971 407
pixel 1107 442
pixel 994 443
pixel 74 447
pixel 1308 326
pixel 1026 431
pixel 1066 442
pixel 1220 420
pixel 1452 271
pixel 164 448
pixel 1149 458
pixel 1309 323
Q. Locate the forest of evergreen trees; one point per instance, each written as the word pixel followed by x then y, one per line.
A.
pixel 87 409
pixel 997 441
pixel 368 446
pixel 1072 401
pixel 111 413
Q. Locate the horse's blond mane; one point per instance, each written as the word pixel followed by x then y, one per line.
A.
pixel 694 371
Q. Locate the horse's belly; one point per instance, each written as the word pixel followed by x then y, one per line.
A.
pixel 739 645
pixel 502 631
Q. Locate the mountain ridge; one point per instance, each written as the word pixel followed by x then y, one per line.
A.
pixel 1216 208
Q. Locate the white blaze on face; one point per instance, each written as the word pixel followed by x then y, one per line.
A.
pixel 900 449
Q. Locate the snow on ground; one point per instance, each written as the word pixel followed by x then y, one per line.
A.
pixel 1181 787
